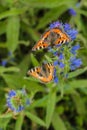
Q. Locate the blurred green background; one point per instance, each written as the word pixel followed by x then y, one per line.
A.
pixel 21 24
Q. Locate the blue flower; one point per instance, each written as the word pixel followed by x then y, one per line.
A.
pixel 20 108
pixel 72 33
pixel 72 12
pixel 17 100
pixel 55 63
pixel 67 27
pixel 12 93
pixel 61 56
pixel 61 65
pixel 55 24
pixel 55 76
pixel 75 63
pixel 4 62
pixel 56 79
pixel 74 49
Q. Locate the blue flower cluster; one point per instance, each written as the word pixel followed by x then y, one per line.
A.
pixel 75 63
pixel 55 24
pixel 17 100
pixel 65 55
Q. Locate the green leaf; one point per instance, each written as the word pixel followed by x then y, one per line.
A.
pixel 24 65
pixel 9 69
pixel 21 82
pixel 2 27
pixel 19 122
pixel 77 72
pixel 49 59
pixel 50 16
pixel 83 12
pixel 79 103
pixel 32 79
pixel 35 119
pixel 57 122
pixel 8 115
pixel 40 102
pixel 50 107
pixel 12 12
pixel 4 123
pixel 31 31
pixel 47 3
pixel 78 83
pixel 13 26
pixel 72 85
pixel 34 60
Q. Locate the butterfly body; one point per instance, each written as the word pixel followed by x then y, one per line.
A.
pixel 45 73
pixel 51 37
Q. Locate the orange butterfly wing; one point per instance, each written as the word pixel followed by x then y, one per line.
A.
pixel 63 39
pixel 46 39
pixel 53 36
pixel 44 73
pixel 41 44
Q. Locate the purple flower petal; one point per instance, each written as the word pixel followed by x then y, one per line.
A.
pixel 12 93
pixel 74 49
pixel 61 65
pixel 56 79
pixel 55 24
pixel 72 12
pixel 61 56
pixel 75 63
pixel 4 62
pixel 55 63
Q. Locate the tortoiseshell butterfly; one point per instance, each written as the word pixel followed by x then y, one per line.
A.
pixel 52 37
pixel 45 73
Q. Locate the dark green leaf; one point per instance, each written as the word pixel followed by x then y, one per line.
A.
pixel 77 72
pixel 24 65
pixel 47 3
pixel 11 12
pixel 13 26
pixel 19 122
pixel 34 60
pixel 50 107
pixel 9 69
pixel 35 118
pixel 80 106
pixel 2 27
pixel 57 122
pixel 50 16
pixel 20 82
